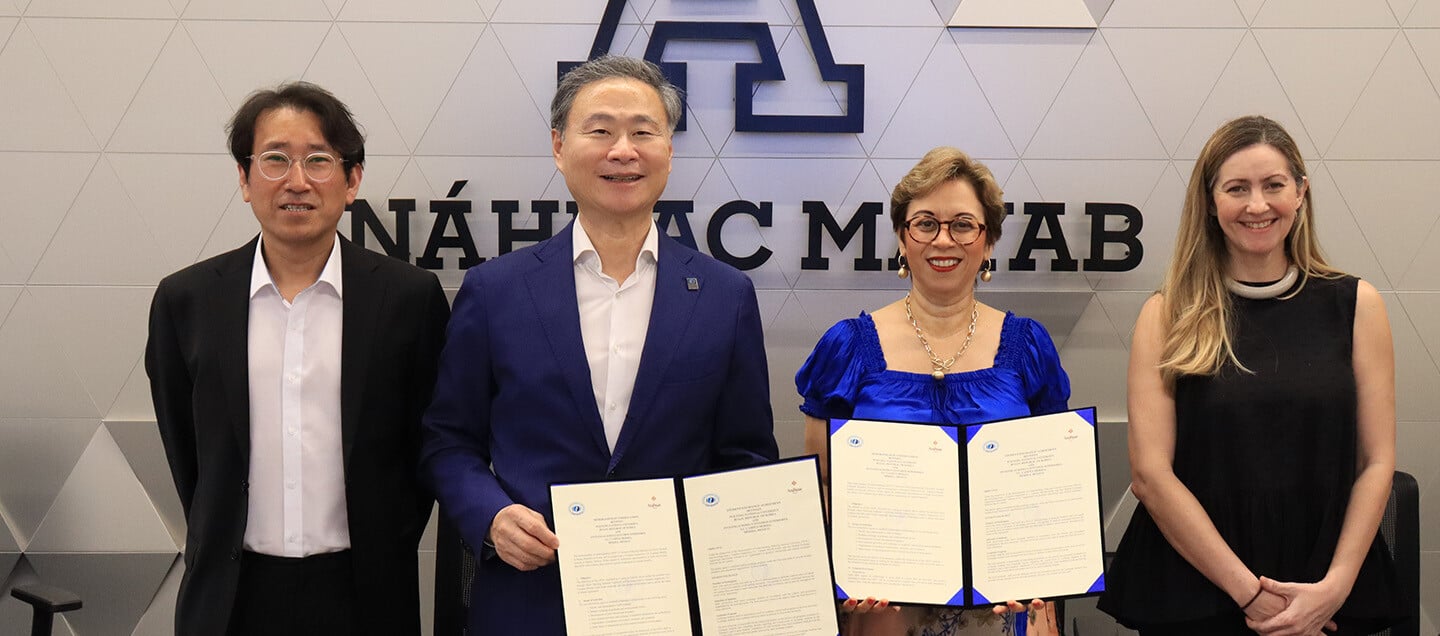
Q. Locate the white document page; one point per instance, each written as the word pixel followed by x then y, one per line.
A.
pixel 895 511
pixel 1034 511
pixel 622 567
pixel 762 564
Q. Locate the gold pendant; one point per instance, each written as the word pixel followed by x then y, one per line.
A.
pixel 938 375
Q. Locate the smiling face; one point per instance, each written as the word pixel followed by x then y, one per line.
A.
pixel 1256 202
pixel 615 149
pixel 295 212
pixel 943 267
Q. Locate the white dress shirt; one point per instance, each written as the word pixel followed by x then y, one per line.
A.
pixel 613 320
pixel 297 472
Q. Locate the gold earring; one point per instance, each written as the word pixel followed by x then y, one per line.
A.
pixel 903 272
pixel 985 271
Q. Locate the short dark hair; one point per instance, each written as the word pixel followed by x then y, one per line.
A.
pixel 609 67
pixel 336 122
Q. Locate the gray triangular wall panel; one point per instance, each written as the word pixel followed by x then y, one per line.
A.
pixel 36 457
pixel 102 508
pixel 140 443
pixel 101 62
pixel 116 588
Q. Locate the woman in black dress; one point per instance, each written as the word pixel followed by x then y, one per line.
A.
pixel 1262 417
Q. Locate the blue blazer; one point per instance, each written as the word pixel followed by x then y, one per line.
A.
pixel 514 409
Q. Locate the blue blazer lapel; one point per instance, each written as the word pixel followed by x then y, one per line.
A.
pixel 359 308
pixel 552 289
pixel 669 315
pixel 232 329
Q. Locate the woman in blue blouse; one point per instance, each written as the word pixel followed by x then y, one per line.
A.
pixel 936 355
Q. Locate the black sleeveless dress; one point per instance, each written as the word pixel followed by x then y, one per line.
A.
pixel 1271 458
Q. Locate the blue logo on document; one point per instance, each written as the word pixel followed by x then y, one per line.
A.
pixel 711 500
pixel 748 74
pixel 855 442
pixel 577 508
pixel 990 447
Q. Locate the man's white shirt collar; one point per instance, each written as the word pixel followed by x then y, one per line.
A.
pixel 583 249
pixel 260 274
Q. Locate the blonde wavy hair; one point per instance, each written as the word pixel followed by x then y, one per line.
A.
pixel 1197 308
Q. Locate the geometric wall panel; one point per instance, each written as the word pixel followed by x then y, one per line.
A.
pixel 239 58
pixel 196 128
pixel 1406 192
pixel 1348 244
pixel 81 320
pixel 1021 72
pixel 389 51
pixel 1052 14
pixel 36 456
pixel 1172 71
pixel 1425 13
pixel 411 11
pixel 36 379
pixel 455 129
pixel 140 443
pixel 102 226
pixel 34 95
pixel 1426 43
pixel 1324 71
pixel 335 68
pixel 1093 353
pixel 185 211
pixel 36 189
pixel 1096 115
pixel 1397 117
pixel 102 508
pixel 1333 13
pixel 133 403
pixel 1422 309
pixel 1157 13
pixel 945 105
pixel 1247 87
pixel 899 13
pixel 116 588
pixel 1424 274
pixel 101 9
pixel 101 62
pixel 1416 371
pixel 159 618
pixel 257 10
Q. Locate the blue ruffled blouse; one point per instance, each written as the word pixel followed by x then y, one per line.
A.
pixel 846 377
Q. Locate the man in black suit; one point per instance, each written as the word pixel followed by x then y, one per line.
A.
pixel 289 377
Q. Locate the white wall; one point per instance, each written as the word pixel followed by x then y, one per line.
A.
pixel 113 172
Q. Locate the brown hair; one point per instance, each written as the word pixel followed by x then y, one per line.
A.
pixel 942 165
pixel 1197 306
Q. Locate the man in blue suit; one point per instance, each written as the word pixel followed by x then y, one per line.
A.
pixel 609 351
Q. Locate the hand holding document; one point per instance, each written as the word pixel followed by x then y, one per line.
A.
pixel 1012 512
pixel 742 551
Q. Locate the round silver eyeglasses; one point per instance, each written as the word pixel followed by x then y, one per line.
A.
pixel 275 165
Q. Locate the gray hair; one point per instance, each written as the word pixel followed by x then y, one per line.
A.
pixel 607 67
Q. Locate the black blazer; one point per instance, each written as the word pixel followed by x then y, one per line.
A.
pixel 394 317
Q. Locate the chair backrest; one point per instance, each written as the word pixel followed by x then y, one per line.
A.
pixel 1401 529
pixel 454 567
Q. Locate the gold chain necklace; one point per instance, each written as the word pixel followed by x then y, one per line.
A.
pixel 940 367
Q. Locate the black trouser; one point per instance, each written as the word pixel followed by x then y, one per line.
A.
pixel 281 596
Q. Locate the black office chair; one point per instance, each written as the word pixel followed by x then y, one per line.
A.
pixel 454 571
pixel 47 601
pixel 1401 528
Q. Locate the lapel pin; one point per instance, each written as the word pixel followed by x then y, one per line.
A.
pixel 692 283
